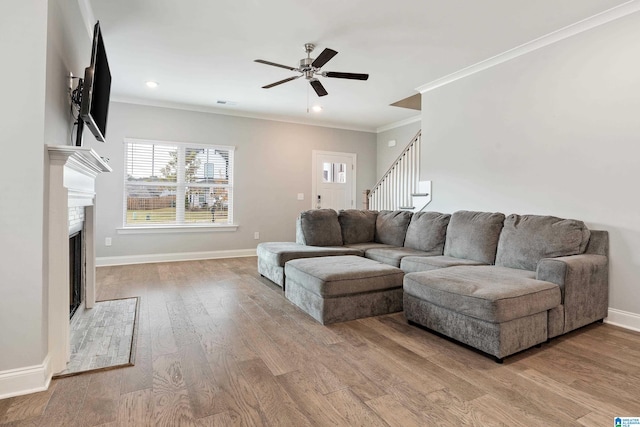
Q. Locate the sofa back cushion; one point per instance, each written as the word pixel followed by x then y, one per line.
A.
pixel 473 235
pixel 319 227
pixel 357 226
pixel 526 239
pixel 391 227
pixel 427 231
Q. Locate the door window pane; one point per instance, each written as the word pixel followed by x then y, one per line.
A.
pixel 334 172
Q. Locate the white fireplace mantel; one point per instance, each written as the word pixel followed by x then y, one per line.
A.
pixel 72 175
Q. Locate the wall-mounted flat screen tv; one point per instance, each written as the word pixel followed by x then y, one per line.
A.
pixel 96 88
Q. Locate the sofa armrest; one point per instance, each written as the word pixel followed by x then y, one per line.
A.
pixel 584 286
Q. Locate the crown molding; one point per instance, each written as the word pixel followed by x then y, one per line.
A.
pixel 235 113
pixel 602 18
pixel 399 123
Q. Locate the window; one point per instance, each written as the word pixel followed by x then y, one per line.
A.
pixel 177 184
pixel 334 172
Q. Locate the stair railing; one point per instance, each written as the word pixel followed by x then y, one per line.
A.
pixel 395 188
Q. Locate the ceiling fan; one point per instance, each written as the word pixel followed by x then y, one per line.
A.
pixel 310 67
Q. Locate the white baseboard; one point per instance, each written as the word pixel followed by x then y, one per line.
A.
pixel 624 319
pixel 30 379
pixel 184 256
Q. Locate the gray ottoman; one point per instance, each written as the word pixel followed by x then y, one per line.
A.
pixel 340 288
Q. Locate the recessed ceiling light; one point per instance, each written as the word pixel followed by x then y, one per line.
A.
pixel 152 84
pixel 317 108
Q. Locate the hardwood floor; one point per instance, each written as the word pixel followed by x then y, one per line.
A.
pixel 218 345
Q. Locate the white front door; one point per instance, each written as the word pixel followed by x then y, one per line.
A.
pixel 334 180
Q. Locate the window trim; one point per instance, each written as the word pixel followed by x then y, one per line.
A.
pixel 176 228
pixel 168 229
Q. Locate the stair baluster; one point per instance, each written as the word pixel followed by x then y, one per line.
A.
pixel 396 187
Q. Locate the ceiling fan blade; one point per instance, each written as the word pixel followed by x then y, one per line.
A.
pixel 351 76
pixel 280 82
pixel 262 61
pixel 317 86
pixel 323 58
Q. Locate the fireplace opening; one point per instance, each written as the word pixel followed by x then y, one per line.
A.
pixel 75 272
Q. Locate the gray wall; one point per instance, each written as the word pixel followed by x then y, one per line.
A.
pixel 39 41
pixel 555 131
pixel 387 155
pixel 272 165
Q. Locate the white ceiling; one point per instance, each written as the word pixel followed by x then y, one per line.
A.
pixel 202 51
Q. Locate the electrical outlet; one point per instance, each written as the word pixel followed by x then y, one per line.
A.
pixel 256 235
pixel 300 196
pixel 107 241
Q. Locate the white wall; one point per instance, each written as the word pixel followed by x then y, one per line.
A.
pixel 556 131
pixel 40 42
pixel 23 27
pixel 272 165
pixel 387 155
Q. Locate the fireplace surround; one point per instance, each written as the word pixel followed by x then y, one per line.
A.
pixel 72 175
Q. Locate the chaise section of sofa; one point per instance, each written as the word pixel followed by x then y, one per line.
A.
pixel 546 268
pixel 497 310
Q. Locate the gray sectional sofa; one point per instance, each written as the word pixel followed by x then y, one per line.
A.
pixel 499 284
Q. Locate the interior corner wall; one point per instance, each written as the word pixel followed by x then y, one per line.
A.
pixel 272 164
pixel 387 155
pixel 68 51
pixel 555 131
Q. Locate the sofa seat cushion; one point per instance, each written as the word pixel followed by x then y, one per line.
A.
pixel 526 239
pixel 278 253
pixel 391 227
pixel 427 231
pixel 366 246
pixel 358 226
pixel 489 293
pixel 413 264
pixel 473 235
pixel 344 275
pixel 393 255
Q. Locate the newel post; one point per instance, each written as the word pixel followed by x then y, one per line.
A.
pixel 365 199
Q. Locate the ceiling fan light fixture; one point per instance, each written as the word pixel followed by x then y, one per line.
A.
pixel 151 84
pixel 317 108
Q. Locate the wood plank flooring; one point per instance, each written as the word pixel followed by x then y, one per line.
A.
pixel 220 346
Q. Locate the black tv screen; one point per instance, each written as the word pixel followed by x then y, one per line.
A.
pixel 96 88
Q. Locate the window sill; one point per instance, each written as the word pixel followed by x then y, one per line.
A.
pixel 156 229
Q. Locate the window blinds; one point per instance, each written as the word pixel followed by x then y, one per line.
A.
pixel 177 184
